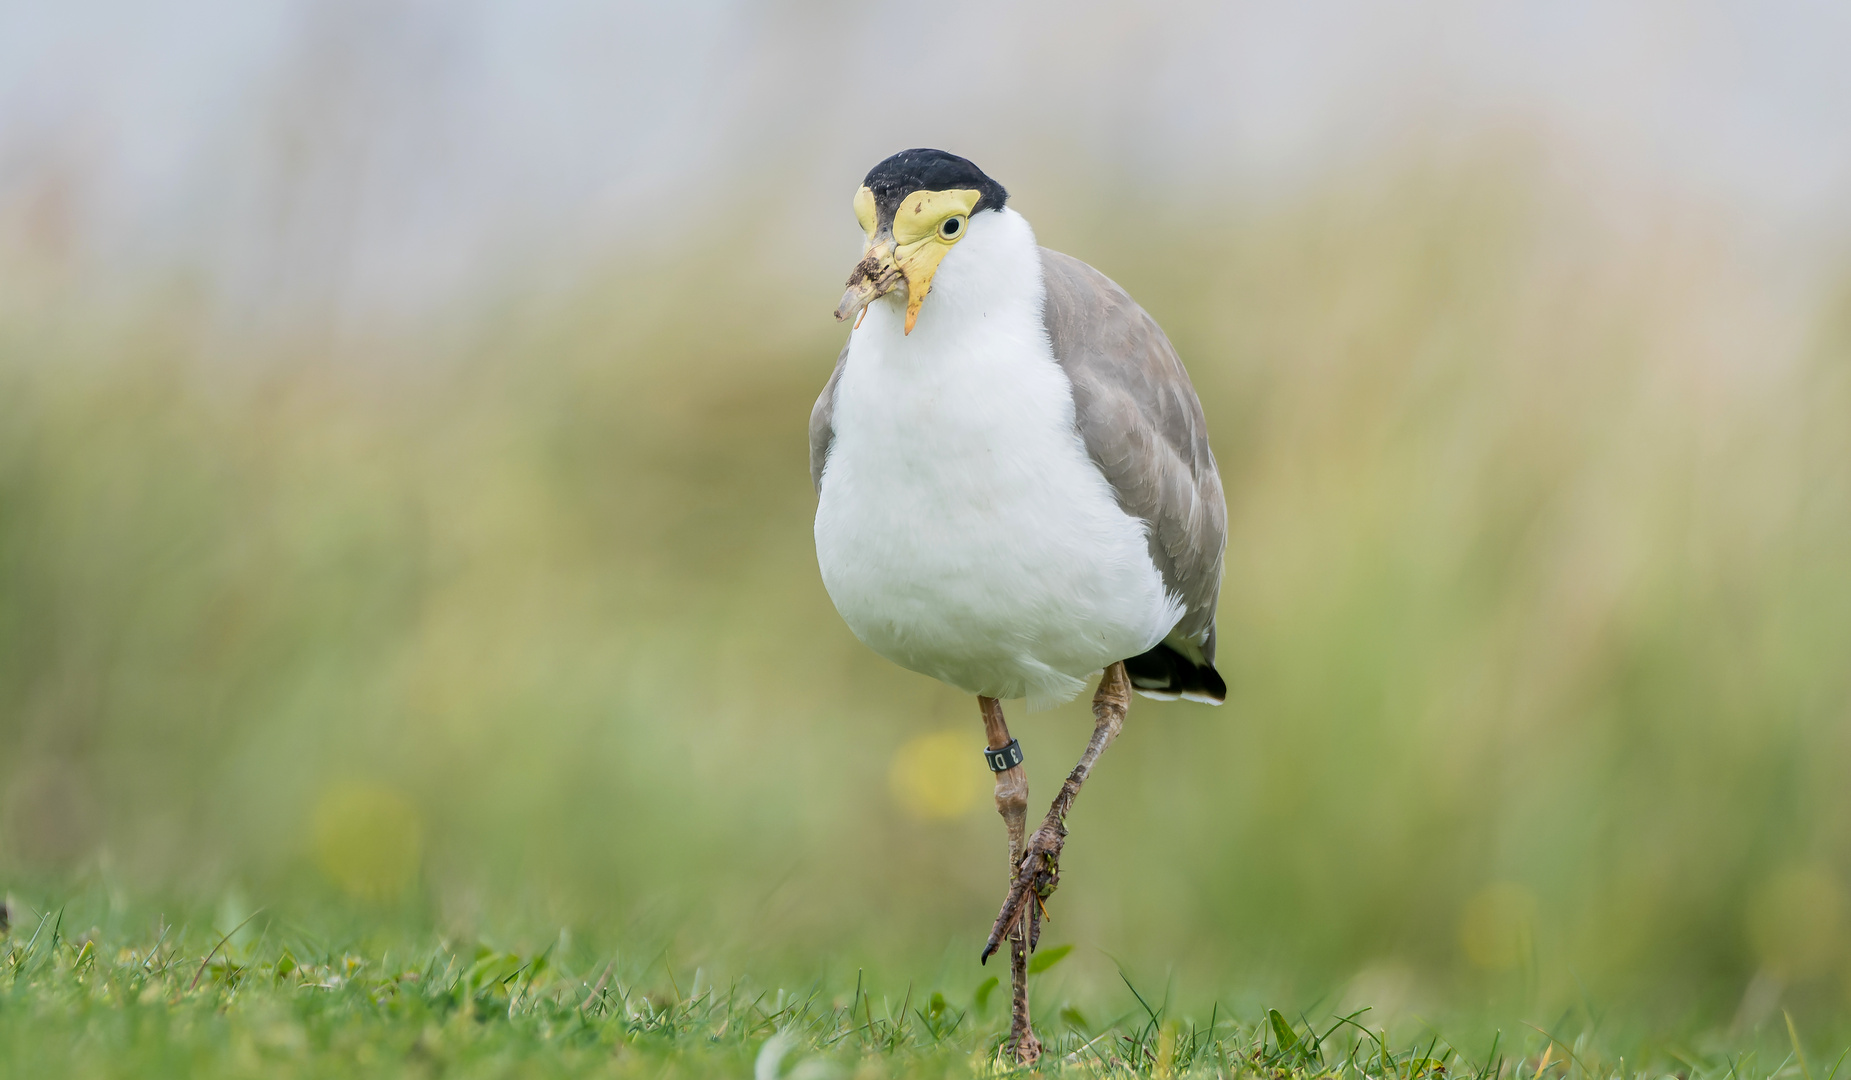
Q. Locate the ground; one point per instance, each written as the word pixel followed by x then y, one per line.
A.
pixel 264 997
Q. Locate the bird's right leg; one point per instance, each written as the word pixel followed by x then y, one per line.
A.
pixel 1012 804
pixel 1039 871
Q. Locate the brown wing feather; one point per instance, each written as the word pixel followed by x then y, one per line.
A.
pixel 822 422
pixel 1142 425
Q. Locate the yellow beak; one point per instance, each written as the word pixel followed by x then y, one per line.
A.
pixel 886 263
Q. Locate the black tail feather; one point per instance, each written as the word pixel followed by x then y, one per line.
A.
pixel 1164 672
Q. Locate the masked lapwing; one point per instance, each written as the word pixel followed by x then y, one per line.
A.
pixel 1016 490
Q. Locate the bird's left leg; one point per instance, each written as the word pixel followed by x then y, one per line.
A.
pixel 1005 757
pixel 1038 872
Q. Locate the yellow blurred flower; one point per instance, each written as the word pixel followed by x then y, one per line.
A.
pixel 367 839
pixel 937 776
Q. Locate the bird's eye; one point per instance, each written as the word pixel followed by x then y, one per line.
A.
pixel 951 227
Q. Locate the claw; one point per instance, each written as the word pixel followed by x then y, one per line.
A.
pixel 1037 877
pixel 1005 922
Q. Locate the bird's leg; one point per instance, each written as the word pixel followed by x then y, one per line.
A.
pixel 1038 868
pixel 1012 803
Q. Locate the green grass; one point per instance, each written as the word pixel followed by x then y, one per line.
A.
pixel 264 996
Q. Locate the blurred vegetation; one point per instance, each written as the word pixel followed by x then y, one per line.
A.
pixel 1537 605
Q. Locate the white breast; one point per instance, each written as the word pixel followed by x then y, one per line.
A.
pixel 962 530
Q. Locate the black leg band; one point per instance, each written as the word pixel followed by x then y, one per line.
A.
pixel 1007 757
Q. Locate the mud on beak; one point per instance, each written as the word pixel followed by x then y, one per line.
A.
pixel 876 275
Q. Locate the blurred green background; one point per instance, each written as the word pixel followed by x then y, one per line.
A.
pixel 371 539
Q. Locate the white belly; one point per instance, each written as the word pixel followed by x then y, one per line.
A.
pixel 963 532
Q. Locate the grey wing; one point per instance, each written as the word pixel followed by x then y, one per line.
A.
pixel 1142 425
pixel 822 417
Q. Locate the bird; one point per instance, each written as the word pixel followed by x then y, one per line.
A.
pixel 1014 491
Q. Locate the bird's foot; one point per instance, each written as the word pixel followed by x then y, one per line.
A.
pixel 1036 877
pixel 1025 1048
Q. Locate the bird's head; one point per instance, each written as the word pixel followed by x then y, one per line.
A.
pixel 915 207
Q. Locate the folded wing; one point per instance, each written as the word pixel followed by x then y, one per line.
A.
pixel 1142 424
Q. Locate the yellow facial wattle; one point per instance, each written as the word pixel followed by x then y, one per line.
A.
pixel 909 248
